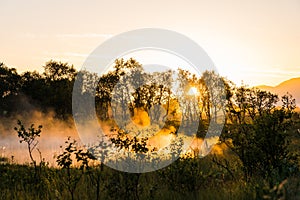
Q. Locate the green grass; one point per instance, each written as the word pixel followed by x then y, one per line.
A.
pixel 208 181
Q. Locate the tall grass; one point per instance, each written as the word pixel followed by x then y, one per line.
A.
pixel 187 178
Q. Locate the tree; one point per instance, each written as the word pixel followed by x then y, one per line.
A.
pixel 9 88
pixel 59 79
pixel 34 89
pixel 214 94
pixel 256 131
pixel 71 155
pixel 139 148
pixel 29 136
pixel 55 71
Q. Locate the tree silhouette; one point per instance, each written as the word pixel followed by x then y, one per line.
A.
pixel 256 131
pixel 29 136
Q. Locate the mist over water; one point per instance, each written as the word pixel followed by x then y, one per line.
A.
pixel 55 132
pixel 53 135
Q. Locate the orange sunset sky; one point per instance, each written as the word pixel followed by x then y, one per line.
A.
pixel 254 41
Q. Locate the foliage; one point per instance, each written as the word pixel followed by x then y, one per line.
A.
pixel 66 161
pixel 29 136
pixel 257 130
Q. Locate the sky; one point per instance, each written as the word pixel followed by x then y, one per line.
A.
pixel 257 42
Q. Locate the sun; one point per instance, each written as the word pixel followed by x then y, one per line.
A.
pixel 193 91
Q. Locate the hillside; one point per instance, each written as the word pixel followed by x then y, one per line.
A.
pixel 291 86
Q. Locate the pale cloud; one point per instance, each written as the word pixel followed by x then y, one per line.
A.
pixel 75 54
pixel 65 54
pixel 85 35
pixel 33 36
pixel 65 36
pixel 272 71
pixel 263 75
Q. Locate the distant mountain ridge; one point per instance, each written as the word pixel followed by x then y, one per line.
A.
pixel 291 86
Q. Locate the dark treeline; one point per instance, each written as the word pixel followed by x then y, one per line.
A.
pixel 50 90
pixel 260 135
